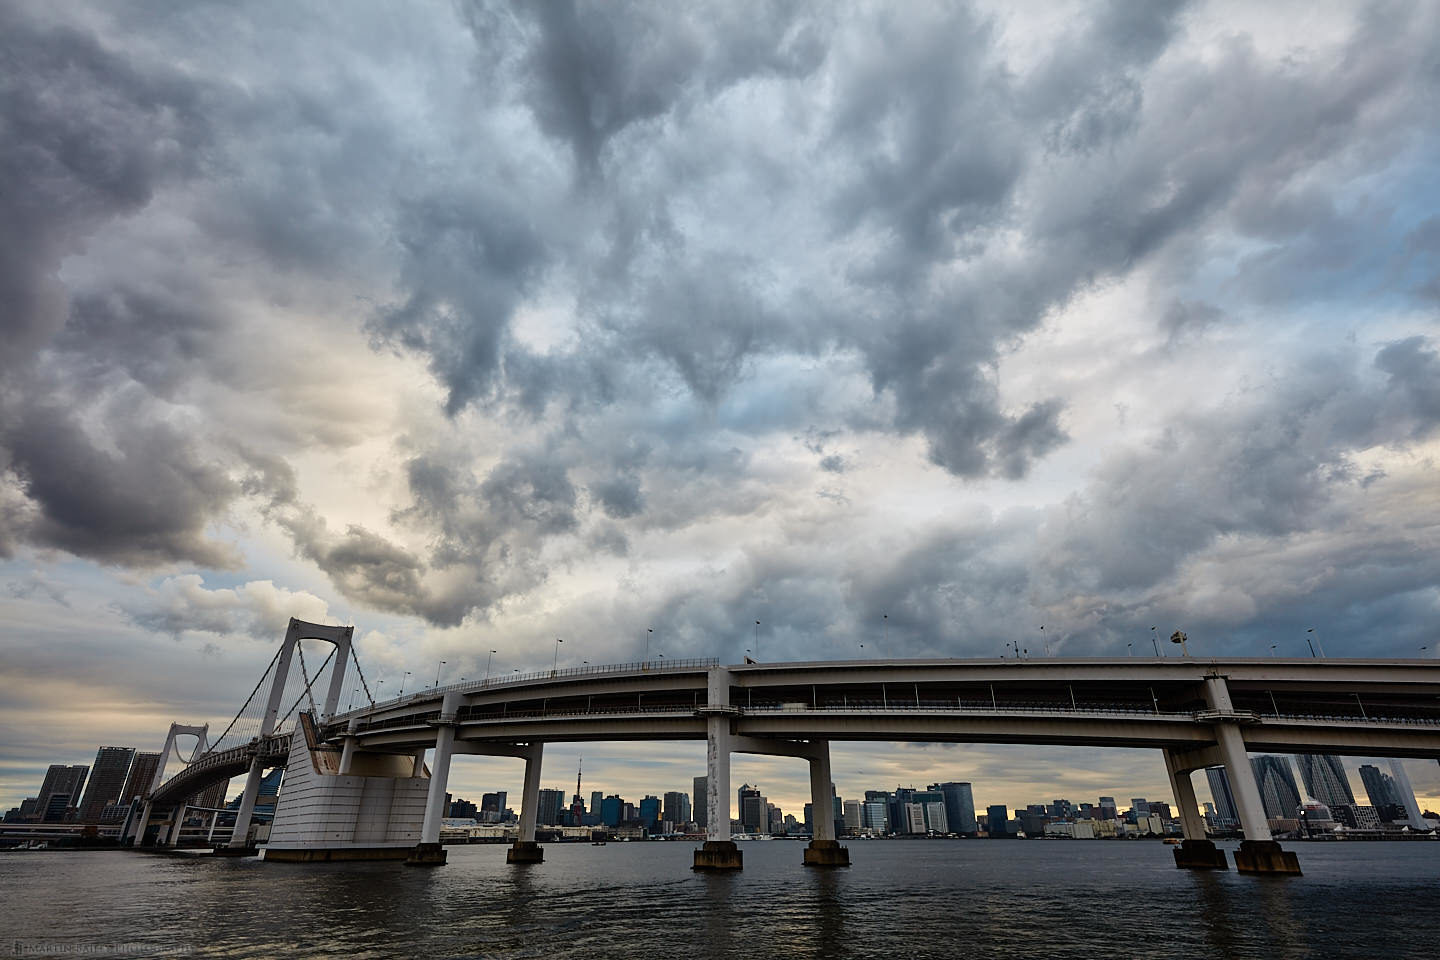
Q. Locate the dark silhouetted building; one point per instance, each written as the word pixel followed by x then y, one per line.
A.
pixel 107 781
pixel 1325 780
pixel 1278 791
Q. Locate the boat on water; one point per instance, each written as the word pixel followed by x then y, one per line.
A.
pixel 1173 841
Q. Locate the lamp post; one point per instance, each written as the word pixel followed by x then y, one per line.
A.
pixel 437 673
pixel 757 639
pixel 1179 637
pixel 555 660
pixel 1272 649
pixel 490 656
pixel 1309 644
pixel 378 691
pixel 1130 648
pixel 885 630
pixel 1155 643
pixel 648 632
pixel 1043 640
pixel 1317 641
pixel 403 681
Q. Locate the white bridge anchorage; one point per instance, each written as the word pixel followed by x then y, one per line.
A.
pixel 357 785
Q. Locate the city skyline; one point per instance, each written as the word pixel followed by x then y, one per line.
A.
pixel 561 334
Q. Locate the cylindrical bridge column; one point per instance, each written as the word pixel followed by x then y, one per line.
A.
pixel 172 839
pixel 347 750
pixel 428 852
pixel 1196 851
pixel 719 851
pixel 240 836
pixel 141 821
pixel 525 849
pixel 1258 853
pixel 824 849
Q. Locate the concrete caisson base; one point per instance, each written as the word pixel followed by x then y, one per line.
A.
pixel 1265 856
pixel 718 855
pixel 524 851
pixel 426 855
pixel 826 853
pixel 327 855
pixel 1200 855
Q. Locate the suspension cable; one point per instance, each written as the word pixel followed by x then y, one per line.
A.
pixel 241 712
pixel 304 693
pixel 304 673
pixel 356 658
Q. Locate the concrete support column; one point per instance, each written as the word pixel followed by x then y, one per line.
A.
pixel 428 852
pixel 172 839
pixel 824 849
pixel 418 770
pixel 719 851
pixel 240 837
pixel 347 751
pixel 525 849
pixel 141 821
pixel 1258 853
pixel 1195 852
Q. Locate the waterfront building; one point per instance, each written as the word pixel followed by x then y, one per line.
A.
pixel 676 807
pixel 914 818
pixel 142 772
pixel 1225 809
pixel 597 797
pixel 959 806
pixel 1108 809
pixel 1140 807
pixel 752 810
pixel 551 809
pixel 998 818
pixel 875 816
pixel 60 780
pixel 1278 791
pixel 492 806
pixel 612 810
pixel 1324 778
pixel 854 817
pixel 1355 816
pixel 649 812
pixel 107 781
pixel 700 792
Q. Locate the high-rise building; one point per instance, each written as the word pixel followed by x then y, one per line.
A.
pixel 649 811
pixel 492 806
pixel 1406 794
pixel 1378 786
pixel 612 810
pixel 1225 810
pixel 60 779
pixel 1324 778
pixel 676 808
pixel 107 781
pixel 551 808
pixel 752 810
pixel 1140 807
pixel 1108 809
pixel 700 793
pixel 875 815
pixel 1278 791
pixel 597 797
pixel 142 771
pixel 959 806
pixel 998 818
pixel 854 817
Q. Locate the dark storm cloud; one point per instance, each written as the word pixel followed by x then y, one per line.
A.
pixel 141 498
pixel 83 137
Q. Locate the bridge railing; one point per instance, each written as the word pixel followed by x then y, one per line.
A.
pixel 661 665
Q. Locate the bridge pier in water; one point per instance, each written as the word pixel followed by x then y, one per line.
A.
pixel 1259 852
pixel 428 852
pixel 525 849
pixel 1196 851
pixel 719 851
pixel 824 849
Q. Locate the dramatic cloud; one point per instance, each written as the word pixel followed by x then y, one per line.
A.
pixel 903 329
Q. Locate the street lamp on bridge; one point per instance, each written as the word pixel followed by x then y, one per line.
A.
pixel 555 660
pixel 490 656
pixel 1317 641
pixel 1154 642
pixel 437 674
pixel 403 681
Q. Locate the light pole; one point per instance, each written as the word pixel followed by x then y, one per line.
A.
pixel 1272 649
pixel 1180 638
pixel 1309 644
pixel 403 681
pixel 437 673
pixel 1130 648
pixel 885 630
pixel 490 656
pixel 757 639
pixel 648 632
pixel 1155 643
pixel 1317 641
pixel 555 660
pixel 1043 640
pixel 378 691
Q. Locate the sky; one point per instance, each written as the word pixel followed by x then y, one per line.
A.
pixel 913 326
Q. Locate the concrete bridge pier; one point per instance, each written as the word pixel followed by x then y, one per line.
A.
pixel 719 851
pixel 135 832
pixel 240 836
pixel 428 852
pixel 1258 853
pixel 824 849
pixel 525 849
pixel 1196 852
pixel 172 838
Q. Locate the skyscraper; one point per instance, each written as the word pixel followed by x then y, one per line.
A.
pixel 107 780
pixel 649 811
pixel 1225 810
pixel 752 810
pixel 700 793
pixel 142 771
pixel 60 780
pixel 959 806
pixel 1324 778
pixel 551 810
pixel 1278 791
